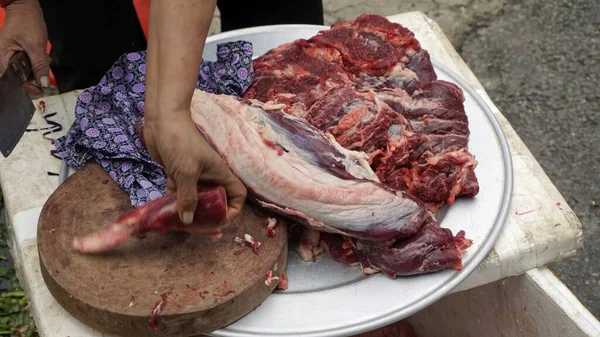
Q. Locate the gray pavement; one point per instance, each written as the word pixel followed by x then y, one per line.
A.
pixel 540 63
pixel 454 16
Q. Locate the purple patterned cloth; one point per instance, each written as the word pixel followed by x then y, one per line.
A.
pixel 106 116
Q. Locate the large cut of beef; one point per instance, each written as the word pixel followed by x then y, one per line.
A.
pixel 297 170
pixel 292 168
pixel 369 83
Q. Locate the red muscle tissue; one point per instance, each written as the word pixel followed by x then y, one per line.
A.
pixel 159 215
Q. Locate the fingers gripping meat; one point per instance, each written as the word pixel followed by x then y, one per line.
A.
pixel 159 215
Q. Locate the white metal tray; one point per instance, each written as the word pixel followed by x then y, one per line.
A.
pixel 327 298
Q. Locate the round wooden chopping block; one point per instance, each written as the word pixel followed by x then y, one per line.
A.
pixel 205 284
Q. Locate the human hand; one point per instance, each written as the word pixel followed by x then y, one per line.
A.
pixel 25 30
pixel 188 159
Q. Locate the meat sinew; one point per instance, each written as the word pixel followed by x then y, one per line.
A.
pixel 298 171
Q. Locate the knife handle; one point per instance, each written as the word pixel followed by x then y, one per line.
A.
pixel 21 66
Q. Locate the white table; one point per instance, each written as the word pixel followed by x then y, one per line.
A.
pixel 541 227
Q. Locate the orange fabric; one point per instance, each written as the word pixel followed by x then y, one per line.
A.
pixel 142 9
pixel 48 45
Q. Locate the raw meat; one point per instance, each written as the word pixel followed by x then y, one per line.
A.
pixel 270 278
pixel 433 248
pixel 271 224
pixel 158 308
pixel 294 169
pixel 283 283
pixel 310 245
pixel 160 215
pixel 370 84
pixel 298 171
pixel 248 241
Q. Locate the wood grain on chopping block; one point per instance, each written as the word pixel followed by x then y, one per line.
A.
pixel 205 284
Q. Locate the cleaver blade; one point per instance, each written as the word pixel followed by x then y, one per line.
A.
pixel 16 107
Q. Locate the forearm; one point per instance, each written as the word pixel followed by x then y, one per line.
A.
pixel 176 35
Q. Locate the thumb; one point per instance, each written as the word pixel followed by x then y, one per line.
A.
pixel 187 199
pixel 40 64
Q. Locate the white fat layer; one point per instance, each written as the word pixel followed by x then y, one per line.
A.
pixel 407 102
pixel 273 107
pixel 364 171
pixel 271 222
pixel 401 72
pixel 238 131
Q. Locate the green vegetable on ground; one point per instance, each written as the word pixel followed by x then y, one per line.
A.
pixel 15 317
